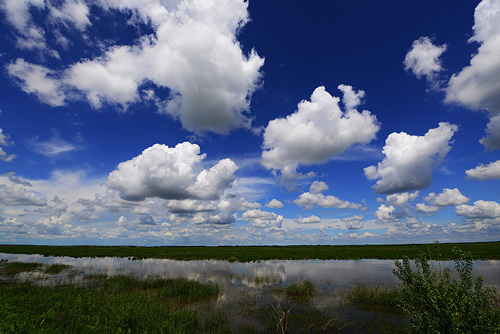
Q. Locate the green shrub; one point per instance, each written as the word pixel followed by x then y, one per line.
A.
pixel 438 303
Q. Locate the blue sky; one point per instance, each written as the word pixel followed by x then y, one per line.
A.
pixel 263 122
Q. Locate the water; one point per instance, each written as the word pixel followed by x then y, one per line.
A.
pixel 334 273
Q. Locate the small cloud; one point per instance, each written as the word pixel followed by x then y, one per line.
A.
pixel 274 204
pixel 485 172
pixel 52 147
pixel 423 58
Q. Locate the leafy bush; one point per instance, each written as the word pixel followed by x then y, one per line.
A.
pixel 439 303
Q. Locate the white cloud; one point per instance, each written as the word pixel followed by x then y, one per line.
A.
pixel 38 80
pixel 409 159
pixel 17 193
pixel 314 197
pixel 492 139
pixel 193 54
pixel 446 197
pixel 423 58
pixel 485 172
pixel 422 207
pixel 52 147
pixel 5 141
pixel 262 219
pixel 274 204
pixel 354 222
pixel 480 209
pixel 170 173
pixel 308 220
pixel 17 12
pixel 320 130
pixel 73 11
pixel 477 86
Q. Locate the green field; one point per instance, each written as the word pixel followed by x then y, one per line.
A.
pixel 480 251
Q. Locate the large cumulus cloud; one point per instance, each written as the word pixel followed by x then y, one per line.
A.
pixel 317 131
pixel 193 54
pixel 409 159
pixel 477 86
pixel 171 173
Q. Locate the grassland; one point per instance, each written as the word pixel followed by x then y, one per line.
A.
pixel 481 251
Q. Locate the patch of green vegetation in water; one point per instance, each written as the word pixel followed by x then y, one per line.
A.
pixel 56 268
pixel 14 268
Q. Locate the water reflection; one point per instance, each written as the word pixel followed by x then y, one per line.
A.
pixel 334 273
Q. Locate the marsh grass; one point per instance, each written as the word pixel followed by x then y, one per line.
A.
pixel 56 268
pixel 302 289
pixel 116 305
pixel 374 296
pixel 482 251
pixel 14 268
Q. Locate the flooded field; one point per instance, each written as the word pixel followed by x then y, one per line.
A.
pixel 255 296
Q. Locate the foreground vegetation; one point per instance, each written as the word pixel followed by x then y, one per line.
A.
pixel 121 304
pixel 481 251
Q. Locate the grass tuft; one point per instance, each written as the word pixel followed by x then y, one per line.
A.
pixel 301 289
pixel 56 268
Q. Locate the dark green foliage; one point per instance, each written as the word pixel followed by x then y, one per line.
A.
pixel 119 305
pixel 440 303
pixel 482 251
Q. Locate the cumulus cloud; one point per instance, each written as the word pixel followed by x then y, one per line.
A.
pixel 38 80
pixel 354 222
pixel 5 141
pixel 170 173
pixel 485 172
pixel 477 86
pixel 320 130
pixel 446 198
pixel 423 58
pixel 193 55
pixel 18 193
pixel 480 210
pixel 314 197
pixel 396 207
pixel 409 159
pixel 308 220
pixel 262 219
pixel 274 204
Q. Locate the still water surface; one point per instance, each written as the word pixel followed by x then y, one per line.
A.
pixel 334 273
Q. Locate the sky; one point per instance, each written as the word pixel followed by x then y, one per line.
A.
pixel 230 122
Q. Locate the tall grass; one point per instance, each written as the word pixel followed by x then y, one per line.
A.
pixel 117 305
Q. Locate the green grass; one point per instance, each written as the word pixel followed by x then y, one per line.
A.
pixel 56 268
pixel 374 296
pixel 481 251
pixel 120 304
pixel 14 268
pixel 303 289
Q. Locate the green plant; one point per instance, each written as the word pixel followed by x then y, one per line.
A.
pixel 302 289
pixel 440 303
